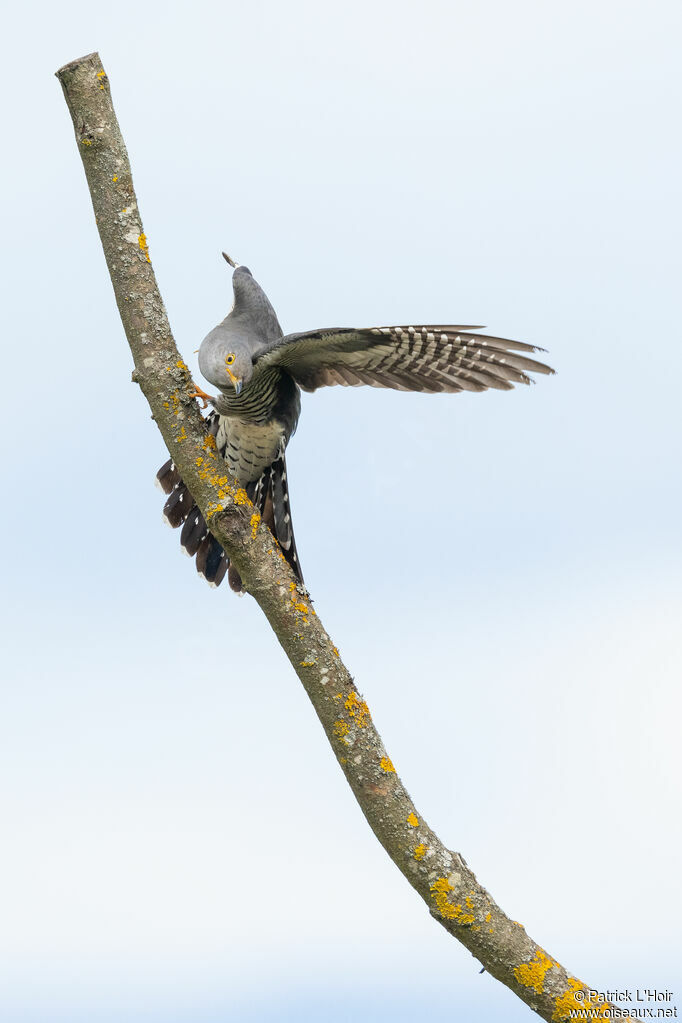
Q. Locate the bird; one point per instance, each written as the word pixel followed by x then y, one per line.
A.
pixel 259 373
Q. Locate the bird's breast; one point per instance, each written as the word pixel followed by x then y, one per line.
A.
pixel 249 448
pixel 257 402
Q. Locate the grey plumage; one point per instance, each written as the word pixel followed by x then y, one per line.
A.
pixel 259 373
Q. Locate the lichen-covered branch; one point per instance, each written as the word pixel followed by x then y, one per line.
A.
pixel 446 884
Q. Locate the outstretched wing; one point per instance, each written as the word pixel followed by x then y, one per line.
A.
pixel 433 358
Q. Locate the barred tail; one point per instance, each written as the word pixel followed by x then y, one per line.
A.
pixel 270 496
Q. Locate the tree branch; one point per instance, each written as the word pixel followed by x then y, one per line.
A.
pixel 441 877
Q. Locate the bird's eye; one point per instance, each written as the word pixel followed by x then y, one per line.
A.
pixel 229 359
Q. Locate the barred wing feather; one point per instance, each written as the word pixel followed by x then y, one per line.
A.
pixel 431 358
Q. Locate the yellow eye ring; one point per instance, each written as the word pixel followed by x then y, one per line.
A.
pixel 229 359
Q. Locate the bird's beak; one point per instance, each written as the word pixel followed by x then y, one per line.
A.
pixel 235 380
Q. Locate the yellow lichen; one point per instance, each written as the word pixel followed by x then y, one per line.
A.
pixel 386 765
pixel 412 820
pixel 182 435
pixel 420 851
pixel 357 709
pixel 532 973
pixel 341 729
pixel 102 76
pixel 572 1005
pixel 488 917
pixel 441 888
pixel 255 523
pixel 181 365
pixel 144 247
pixel 298 605
pixel 86 142
pixel 307 664
pixel 115 178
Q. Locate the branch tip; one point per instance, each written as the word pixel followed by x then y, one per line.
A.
pixel 74 63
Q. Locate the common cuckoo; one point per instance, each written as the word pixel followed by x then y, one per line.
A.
pixel 259 373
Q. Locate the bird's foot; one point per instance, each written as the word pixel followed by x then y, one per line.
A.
pixel 196 392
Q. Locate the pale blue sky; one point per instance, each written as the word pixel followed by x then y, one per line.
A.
pixel 501 571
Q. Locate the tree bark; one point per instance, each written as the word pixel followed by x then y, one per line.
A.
pixel 450 890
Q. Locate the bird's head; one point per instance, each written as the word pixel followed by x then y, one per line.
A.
pixel 226 354
pixel 225 360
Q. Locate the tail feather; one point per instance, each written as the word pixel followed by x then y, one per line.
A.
pixel 281 511
pixel 222 568
pixel 214 559
pixel 212 562
pixel 193 532
pixel 269 494
pixel 235 580
pixel 177 507
pixel 168 476
pixel 202 554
